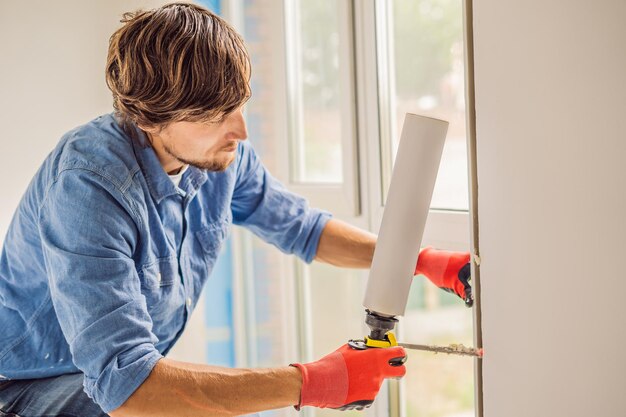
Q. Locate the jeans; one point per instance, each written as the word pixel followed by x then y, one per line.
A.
pixel 60 396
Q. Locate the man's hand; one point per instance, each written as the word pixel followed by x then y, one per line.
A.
pixel 450 271
pixel 348 378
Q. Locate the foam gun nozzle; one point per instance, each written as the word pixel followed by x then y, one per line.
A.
pixel 379 325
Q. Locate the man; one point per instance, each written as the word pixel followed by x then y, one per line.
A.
pixel 120 228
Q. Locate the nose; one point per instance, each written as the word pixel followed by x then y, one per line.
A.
pixel 237 126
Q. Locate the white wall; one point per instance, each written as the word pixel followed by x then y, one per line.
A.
pixel 52 58
pixel 551 142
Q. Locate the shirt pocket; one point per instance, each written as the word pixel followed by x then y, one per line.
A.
pixel 160 285
pixel 160 273
pixel 212 239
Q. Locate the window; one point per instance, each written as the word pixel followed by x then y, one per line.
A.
pixel 316 92
pixel 321 114
pixel 421 69
pixel 310 58
pixel 330 48
pixel 424 56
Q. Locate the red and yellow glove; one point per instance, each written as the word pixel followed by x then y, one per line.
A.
pixel 349 378
pixel 449 271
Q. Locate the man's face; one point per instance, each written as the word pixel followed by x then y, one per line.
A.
pixel 205 145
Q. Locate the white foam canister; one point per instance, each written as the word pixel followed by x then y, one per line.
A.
pixel 404 217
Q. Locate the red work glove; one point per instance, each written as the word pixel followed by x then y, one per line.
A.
pixel 349 378
pixel 450 271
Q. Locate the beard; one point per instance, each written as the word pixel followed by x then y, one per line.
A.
pixel 213 165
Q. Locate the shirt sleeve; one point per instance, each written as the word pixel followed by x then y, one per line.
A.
pixel 88 237
pixel 264 206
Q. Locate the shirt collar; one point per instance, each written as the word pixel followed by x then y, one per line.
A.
pixel 159 183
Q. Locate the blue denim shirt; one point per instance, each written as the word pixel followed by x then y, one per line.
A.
pixel 105 258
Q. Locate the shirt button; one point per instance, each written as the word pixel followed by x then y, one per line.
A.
pixel 189 302
pixel 159 277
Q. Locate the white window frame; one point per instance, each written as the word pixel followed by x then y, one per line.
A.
pixel 343 197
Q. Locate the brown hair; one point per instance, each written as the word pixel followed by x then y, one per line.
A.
pixel 177 62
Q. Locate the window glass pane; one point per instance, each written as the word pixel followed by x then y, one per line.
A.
pixel 437 385
pixel 268 333
pixel 428 69
pixel 337 314
pixel 268 272
pixel 426 76
pixel 316 93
